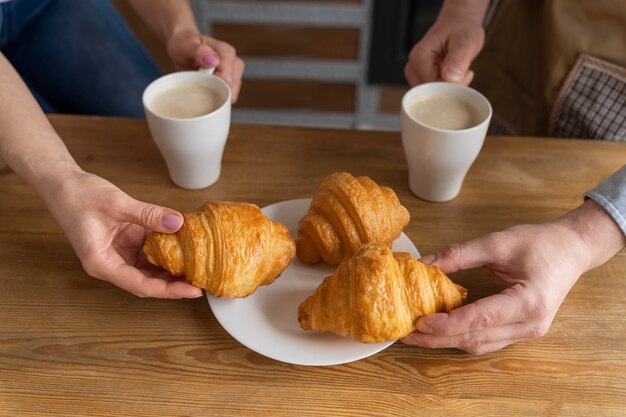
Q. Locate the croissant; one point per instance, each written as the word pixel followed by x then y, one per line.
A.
pixel 377 296
pixel 229 249
pixel 345 213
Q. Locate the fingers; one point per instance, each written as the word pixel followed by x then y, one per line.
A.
pixel 149 216
pixel 513 305
pixel 190 50
pixel 206 57
pixel 230 68
pixel 410 75
pixel 236 85
pixel 133 281
pixel 461 51
pixel 486 325
pixel 469 77
pixel 423 65
pixel 115 271
pixel 444 53
pixel 488 348
pixel 476 343
pixel 482 341
pixel 485 250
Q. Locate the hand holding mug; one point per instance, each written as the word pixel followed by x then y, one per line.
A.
pixel 446 51
pixel 190 50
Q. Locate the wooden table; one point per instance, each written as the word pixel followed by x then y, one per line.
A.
pixel 74 345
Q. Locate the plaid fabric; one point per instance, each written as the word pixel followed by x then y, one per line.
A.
pixel 592 102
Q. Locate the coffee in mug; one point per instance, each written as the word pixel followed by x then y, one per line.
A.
pixel 186 100
pixel 445 111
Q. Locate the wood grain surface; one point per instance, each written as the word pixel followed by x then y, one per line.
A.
pixel 73 345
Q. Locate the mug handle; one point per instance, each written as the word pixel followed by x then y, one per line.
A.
pixel 207 71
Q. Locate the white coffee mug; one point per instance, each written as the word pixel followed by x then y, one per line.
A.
pixel 438 158
pixel 192 147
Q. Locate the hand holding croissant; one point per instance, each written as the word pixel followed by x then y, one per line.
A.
pixel 229 249
pixel 378 296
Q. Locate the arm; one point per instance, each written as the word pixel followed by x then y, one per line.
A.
pixel 105 226
pixel 174 24
pixel 541 263
pixel 448 48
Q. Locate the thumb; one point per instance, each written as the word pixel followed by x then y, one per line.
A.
pixel 152 217
pixel 460 256
pixel 206 57
pixel 460 54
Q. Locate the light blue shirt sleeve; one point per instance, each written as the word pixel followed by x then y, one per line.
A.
pixel 611 195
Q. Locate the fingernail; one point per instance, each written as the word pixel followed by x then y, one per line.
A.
pixel 423 327
pixel 172 222
pixel 211 60
pixel 428 259
pixel 452 73
pixel 194 296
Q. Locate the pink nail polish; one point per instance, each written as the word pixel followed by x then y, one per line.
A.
pixel 211 60
pixel 172 222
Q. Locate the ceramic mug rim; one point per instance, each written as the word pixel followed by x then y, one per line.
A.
pixel 452 88
pixel 209 80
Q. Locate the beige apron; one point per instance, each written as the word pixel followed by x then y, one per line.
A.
pixel 556 67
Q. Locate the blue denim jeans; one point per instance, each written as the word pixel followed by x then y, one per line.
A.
pixel 76 57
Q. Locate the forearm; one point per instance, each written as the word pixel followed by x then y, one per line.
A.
pixel 28 143
pixel 166 17
pixel 469 9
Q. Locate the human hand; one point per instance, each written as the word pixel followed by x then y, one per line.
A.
pixel 190 50
pixel 107 228
pixel 447 50
pixel 540 263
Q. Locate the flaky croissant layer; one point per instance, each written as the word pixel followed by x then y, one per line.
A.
pixel 377 296
pixel 345 213
pixel 229 249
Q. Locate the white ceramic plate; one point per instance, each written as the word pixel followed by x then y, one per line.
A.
pixel 267 321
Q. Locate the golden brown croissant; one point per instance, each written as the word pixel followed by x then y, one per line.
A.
pixel 377 296
pixel 345 213
pixel 229 249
